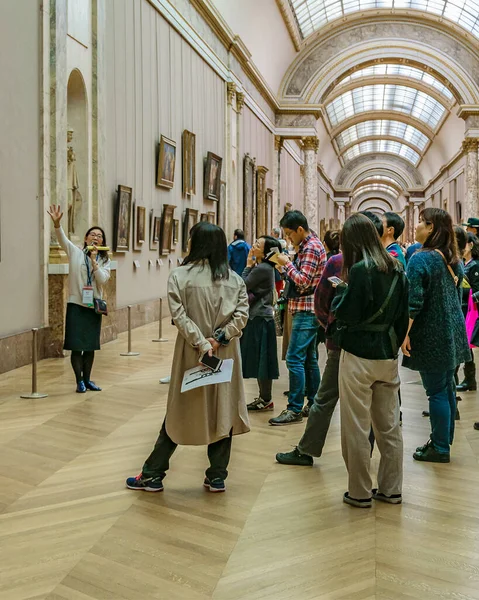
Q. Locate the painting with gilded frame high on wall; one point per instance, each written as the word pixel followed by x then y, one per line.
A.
pixel 166 228
pixel 188 148
pixel 122 223
pixel 166 163
pixel 191 218
pixel 176 233
pixel 139 226
pixel 249 191
pixel 212 178
pixel 261 216
pixel 155 229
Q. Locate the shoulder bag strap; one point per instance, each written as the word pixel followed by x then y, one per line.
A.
pixel 453 275
pixel 379 312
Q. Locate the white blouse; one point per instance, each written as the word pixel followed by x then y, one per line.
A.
pixel 78 276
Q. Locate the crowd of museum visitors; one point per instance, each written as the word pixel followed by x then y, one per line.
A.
pixel 361 292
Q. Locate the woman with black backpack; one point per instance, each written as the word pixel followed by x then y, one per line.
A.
pixel 371 322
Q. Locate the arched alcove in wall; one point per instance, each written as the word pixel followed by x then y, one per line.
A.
pixel 77 120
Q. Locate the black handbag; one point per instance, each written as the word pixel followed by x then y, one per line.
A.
pixel 100 306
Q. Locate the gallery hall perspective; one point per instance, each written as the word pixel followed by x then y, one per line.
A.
pixel 239 273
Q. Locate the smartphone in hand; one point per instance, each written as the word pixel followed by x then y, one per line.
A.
pixel 335 281
pixel 212 362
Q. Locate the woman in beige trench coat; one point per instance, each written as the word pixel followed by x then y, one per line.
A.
pixel 209 306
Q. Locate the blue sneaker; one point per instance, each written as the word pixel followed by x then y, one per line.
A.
pixel 147 484
pixel 92 386
pixel 81 387
pixel 214 485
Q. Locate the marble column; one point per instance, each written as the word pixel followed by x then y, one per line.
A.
pixel 228 213
pixel 239 162
pixel 310 149
pixel 471 208
pixel 278 146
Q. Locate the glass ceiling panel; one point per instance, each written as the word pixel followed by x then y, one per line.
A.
pixel 385 128
pixel 313 14
pixel 382 146
pixel 401 71
pixel 375 187
pixel 386 97
pixel 382 178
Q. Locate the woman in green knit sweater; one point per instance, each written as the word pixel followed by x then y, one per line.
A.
pixel 436 342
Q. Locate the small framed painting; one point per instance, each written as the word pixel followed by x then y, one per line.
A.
pixel 176 233
pixel 166 228
pixel 122 219
pixel 204 217
pixel 155 228
pixel 191 218
pixel 212 179
pixel 188 148
pixel 166 163
pixel 211 217
pixel 139 226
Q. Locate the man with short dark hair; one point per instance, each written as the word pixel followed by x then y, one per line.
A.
pixel 238 252
pixel 393 226
pixel 303 276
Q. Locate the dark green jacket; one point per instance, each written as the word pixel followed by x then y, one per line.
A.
pixel 353 305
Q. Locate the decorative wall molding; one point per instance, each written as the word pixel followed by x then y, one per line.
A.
pixel 289 19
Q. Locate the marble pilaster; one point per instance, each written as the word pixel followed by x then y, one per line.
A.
pixel 229 212
pixel 471 208
pixel 310 150
pixel 236 180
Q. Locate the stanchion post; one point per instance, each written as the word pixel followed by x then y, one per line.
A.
pixel 160 333
pixel 129 353
pixel 34 393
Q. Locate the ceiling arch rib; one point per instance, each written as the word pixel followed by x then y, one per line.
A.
pixel 375 188
pixel 399 98
pixel 384 128
pixel 311 15
pixel 386 115
pixel 376 138
pixel 379 174
pixel 392 164
pixel 379 180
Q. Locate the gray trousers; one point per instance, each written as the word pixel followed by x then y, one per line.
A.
pixel 322 408
pixel 369 392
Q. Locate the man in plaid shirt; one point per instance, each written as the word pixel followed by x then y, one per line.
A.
pixel 303 275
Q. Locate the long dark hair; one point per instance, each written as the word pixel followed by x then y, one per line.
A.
pixel 331 239
pixel 103 254
pixel 442 236
pixel 360 241
pixel 208 245
pixel 269 243
pixel 461 239
pixel 472 239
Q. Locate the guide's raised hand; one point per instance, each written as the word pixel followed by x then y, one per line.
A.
pixel 56 213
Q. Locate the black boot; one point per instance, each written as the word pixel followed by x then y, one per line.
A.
pixel 469 384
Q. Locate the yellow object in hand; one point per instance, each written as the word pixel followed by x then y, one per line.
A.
pixel 99 248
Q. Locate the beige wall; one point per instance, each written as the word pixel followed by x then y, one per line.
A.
pixel 261 27
pixel 20 210
pixel 445 145
pixel 291 182
pixel 156 84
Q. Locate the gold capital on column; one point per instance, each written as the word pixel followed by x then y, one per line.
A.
pixel 239 101
pixel 310 143
pixel 470 145
pixel 230 90
pixel 278 143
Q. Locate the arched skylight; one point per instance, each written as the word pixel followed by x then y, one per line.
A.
pixel 382 146
pixel 383 128
pixel 401 71
pixel 313 14
pixel 375 187
pixel 380 178
pixel 386 97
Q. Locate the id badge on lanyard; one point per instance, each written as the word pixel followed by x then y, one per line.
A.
pixel 87 291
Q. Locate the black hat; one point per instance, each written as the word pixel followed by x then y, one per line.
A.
pixel 472 222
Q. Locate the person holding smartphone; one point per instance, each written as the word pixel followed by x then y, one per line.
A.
pixel 209 306
pixel 258 343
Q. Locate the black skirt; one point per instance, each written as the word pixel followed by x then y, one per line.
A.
pixel 259 349
pixel 82 328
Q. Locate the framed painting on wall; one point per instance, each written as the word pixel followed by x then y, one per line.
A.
pixel 269 210
pixel 249 190
pixel 188 148
pixel 176 233
pixel 211 217
pixel 166 228
pixel 139 228
pixel 122 219
pixel 191 218
pixel 212 178
pixel 261 216
pixel 204 217
pixel 166 163
pixel 155 228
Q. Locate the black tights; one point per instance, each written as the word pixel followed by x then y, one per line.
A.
pixel 82 363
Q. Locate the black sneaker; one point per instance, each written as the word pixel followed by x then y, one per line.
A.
pixel 147 484
pixel 259 404
pixel 294 458
pixel 392 499
pixel 358 503
pixel 476 425
pixel 305 411
pixel 286 418
pixel 428 453
pixel 214 485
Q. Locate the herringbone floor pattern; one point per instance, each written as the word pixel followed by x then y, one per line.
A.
pixel 69 530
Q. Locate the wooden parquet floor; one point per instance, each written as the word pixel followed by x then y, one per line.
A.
pixel 69 530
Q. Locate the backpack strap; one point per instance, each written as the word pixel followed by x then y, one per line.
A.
pixel 453 275
pixel 383 307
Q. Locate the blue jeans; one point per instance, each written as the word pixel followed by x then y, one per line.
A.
pixel 302 360
pixel 441 391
